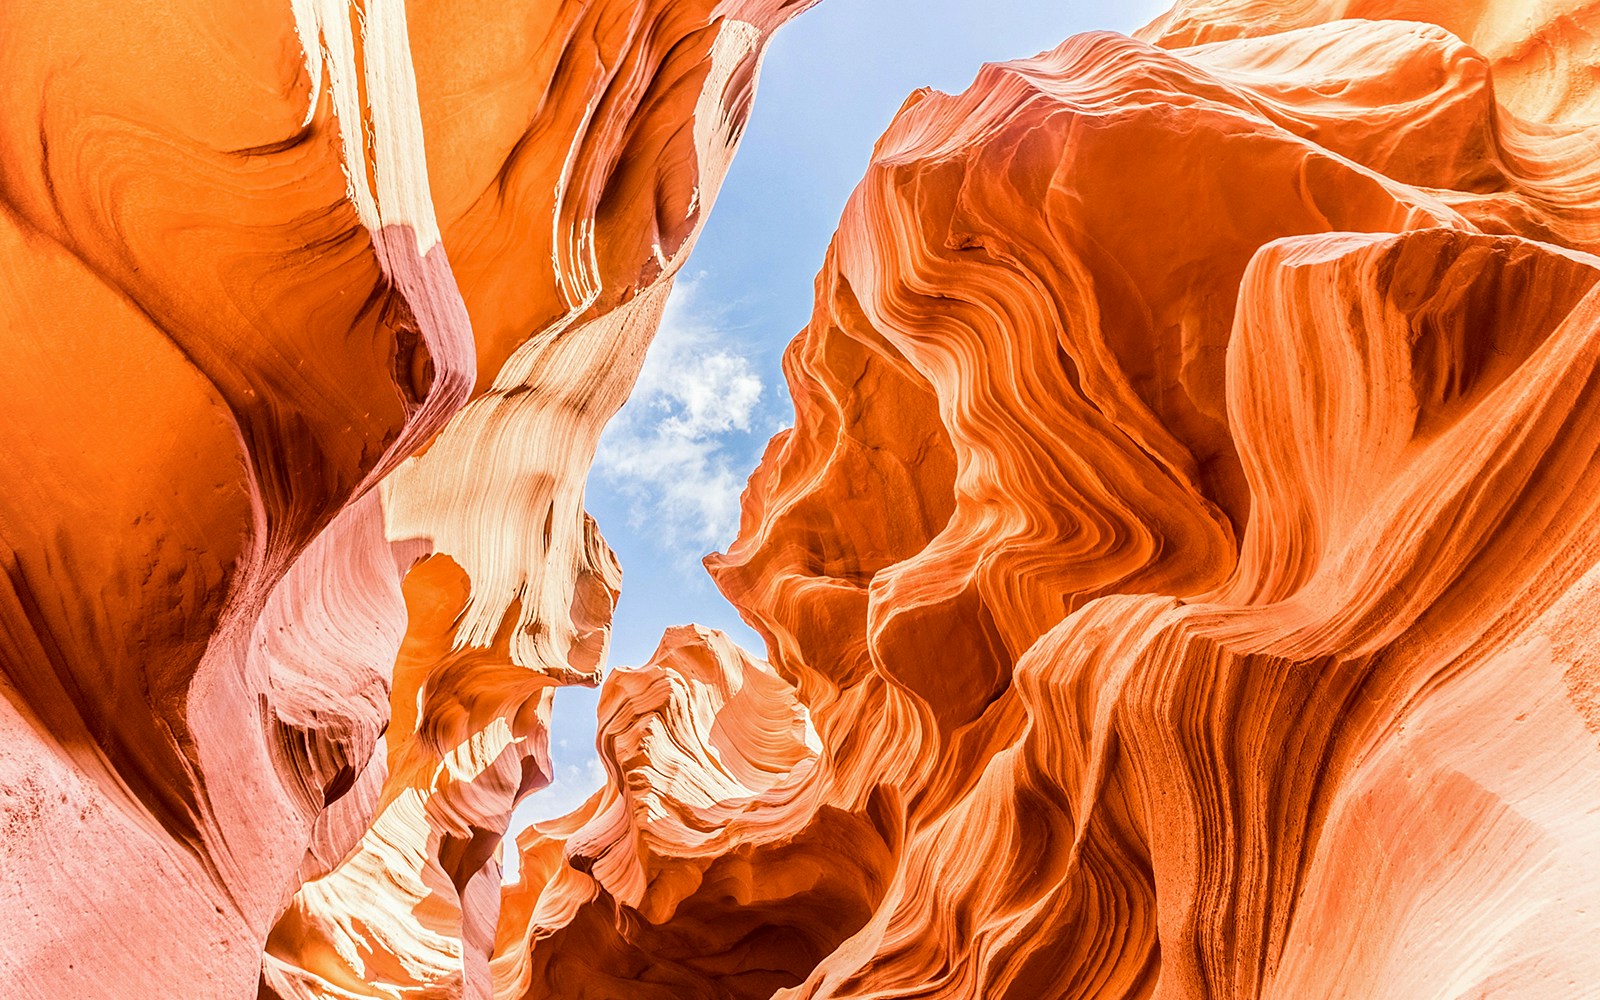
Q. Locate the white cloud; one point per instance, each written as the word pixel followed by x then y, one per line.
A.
pixel 667 452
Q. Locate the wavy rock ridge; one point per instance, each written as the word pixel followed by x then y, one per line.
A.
pixel 1184 553
pixel 316 309
pixel 1179 580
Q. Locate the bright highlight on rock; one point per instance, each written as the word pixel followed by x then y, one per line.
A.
pixel 1179 580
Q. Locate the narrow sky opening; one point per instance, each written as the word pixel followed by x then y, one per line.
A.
pixel 671 466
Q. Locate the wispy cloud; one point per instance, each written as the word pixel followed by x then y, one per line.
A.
pixel 670 451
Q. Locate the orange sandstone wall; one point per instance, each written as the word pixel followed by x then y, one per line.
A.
pixel 1180 580
pixel 257 256
pixel 1184 558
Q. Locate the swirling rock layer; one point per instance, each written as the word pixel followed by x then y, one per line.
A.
pixel 1180 580
pixel 314 310
pixel 1184 554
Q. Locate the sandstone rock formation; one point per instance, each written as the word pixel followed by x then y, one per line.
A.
pixel 257 255
pixel 1185 551
pixel 1180 579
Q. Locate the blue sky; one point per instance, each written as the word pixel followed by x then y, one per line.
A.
pixel 671 466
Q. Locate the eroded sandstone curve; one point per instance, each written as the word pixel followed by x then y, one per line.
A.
pixel 1179 581
pixel 272 681
pixel 1184 550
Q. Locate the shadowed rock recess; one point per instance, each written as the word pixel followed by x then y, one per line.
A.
pixel 1182 578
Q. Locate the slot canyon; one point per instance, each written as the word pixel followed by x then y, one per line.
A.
pixel 1179 578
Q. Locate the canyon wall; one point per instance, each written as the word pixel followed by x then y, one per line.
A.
pixel 1185 553
pixel 1180 579
pixel 314 312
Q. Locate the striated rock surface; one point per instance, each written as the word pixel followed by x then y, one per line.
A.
pixel 713 801
pixel 258 256
pixel 1185 553
pixel 1180 580
pixel 647 102
pixel 221 333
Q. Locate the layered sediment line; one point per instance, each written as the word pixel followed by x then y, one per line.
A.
pixel 258 257
pixel 1184 543
pixel 1179 580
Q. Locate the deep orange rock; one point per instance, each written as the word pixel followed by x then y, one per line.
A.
pixel 257 256
pixel 1180 579
pixel 1184 548
pixel 213 355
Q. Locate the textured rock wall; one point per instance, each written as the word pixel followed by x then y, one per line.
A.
pixel 257 255
pixel 1180 579
pixel 1184 553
